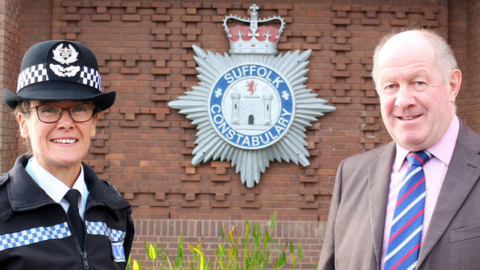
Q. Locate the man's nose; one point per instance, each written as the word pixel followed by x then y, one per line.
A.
pixel 405 97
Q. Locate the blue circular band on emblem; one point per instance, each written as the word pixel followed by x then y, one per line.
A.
pixel 279 125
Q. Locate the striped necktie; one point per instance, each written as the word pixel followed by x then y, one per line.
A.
pixel 406 231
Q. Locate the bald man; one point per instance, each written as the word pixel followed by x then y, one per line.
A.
pixel 413 203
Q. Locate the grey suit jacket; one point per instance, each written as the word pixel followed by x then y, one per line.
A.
pixel 354 233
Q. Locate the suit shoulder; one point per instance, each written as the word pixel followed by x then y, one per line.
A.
pixel 469 138
pixel 368 156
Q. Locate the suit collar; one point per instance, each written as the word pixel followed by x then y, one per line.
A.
pixel 462 175
pixel 379 172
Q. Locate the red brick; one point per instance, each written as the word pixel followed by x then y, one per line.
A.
pixel 131 18
pixel 71 17
pixel 339 21
pixel 101 17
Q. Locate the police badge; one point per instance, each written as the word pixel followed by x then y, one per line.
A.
pixel 251 107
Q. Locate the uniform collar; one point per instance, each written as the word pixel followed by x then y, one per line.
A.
pixel 25 194
pixel 55 188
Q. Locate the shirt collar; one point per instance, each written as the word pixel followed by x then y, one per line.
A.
pixel 55 188
pixel 443 149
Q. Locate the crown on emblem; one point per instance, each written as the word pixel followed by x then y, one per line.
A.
pixel 65 52
pixel 253 39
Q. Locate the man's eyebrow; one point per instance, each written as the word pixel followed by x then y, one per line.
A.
pixel 385 79
pixel 412 76
pixel 420 73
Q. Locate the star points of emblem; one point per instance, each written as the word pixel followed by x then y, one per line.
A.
pixel 250 163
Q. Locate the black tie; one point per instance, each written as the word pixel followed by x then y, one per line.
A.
pixel 77 223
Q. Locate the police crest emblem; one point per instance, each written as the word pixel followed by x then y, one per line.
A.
pixel 251 107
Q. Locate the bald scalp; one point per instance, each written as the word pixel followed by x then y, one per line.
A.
pixel 444 57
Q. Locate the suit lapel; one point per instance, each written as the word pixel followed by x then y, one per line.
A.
pixel 379 172
pixel 462 175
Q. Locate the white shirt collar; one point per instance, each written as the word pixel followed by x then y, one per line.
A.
pixel 56 189
pixel 443 149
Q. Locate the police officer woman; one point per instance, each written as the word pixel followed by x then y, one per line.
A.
pixel 54 211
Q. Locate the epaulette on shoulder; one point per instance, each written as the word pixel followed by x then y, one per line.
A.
pixel 106 182
pixel 111 186
pixel 3 178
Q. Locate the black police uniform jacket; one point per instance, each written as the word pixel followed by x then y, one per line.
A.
pixel 35 231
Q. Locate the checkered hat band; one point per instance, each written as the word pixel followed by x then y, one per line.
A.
pixel 31 75
pixel 34 235
pixel 91 77
pixel 100 228
pixel 38 73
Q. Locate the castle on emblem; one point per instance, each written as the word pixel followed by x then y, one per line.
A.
pixel 253 39
pixel 251 111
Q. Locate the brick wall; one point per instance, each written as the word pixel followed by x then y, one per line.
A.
pixel 143 147
pixel 457 38
pixel 472 98
pixel 9 68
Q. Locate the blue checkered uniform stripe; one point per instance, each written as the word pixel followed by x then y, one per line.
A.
pixel 100 228
pixel 91 77
pixel 31 75
pixel 34 235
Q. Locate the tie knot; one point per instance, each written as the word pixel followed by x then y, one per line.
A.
pixel 72 197
pixel 418 158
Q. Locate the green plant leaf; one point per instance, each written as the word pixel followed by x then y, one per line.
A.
pixel 256 235
pixel 164 255
pixel 180 248
pixel 272 223
pixel 157 254
pixel 128 263
pixel 300 251
pixel 223 233
pixel 291 247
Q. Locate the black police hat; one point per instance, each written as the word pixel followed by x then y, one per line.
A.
pixel 59 70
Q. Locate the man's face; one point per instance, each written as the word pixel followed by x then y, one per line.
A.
pixel 417 104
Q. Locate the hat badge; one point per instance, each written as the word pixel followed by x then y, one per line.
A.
pixel 65 56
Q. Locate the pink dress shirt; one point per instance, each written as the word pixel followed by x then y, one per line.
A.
pixel 435 171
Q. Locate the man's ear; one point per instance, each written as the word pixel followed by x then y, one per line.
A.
pixel 455 83
pixel 22 123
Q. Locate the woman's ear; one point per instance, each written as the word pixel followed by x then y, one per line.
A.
pixel 22 123
pixel 94 128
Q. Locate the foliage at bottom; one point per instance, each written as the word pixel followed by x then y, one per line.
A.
pixel 254 254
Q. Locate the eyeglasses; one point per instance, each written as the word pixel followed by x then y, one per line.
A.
pixel 49 114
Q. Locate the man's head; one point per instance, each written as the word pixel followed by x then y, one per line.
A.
pixel 417 79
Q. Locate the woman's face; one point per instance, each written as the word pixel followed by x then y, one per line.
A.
pixel 60 144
